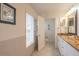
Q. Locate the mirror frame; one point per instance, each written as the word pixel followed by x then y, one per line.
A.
pixel 75 23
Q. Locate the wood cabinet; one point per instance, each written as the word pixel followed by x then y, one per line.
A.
pixel 66 49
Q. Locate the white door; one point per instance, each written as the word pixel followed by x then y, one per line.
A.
pixel 41 33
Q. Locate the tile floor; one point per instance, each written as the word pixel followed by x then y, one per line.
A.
pixel 48 50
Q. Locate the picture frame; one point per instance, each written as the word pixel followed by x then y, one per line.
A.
pixel 7 14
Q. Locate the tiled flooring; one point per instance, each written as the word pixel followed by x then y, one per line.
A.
pixel 49 50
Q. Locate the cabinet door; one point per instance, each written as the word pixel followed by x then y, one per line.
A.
pixel 63 51
pixel 60 46
pixel 65 47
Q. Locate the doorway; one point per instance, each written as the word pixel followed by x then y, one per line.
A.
pixel 50 31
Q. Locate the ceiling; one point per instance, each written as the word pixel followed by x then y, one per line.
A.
pixel 52 10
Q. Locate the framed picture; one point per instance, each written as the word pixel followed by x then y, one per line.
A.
pixel 7 14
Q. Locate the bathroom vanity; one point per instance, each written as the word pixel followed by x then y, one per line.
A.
pixel 68 45
pixel 68 37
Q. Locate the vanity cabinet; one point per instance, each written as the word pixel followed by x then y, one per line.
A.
pixel 61 46
pixel 66 49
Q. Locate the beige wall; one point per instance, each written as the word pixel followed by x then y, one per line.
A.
pixel 12 37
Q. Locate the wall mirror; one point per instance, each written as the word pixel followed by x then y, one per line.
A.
pixel 72 23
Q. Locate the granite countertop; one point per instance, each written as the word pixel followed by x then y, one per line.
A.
pixel 73 40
